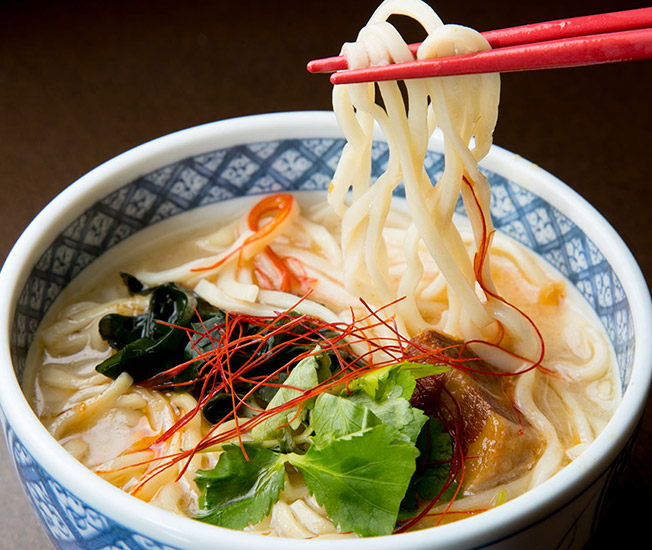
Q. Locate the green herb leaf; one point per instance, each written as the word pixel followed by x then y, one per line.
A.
pixel 334 417
pixel 396 412
pixel 433 468
pixel 386 392
pixel 360 479
pixel 304 376
pixel 436 446
pixel 239 492
pixel 397 380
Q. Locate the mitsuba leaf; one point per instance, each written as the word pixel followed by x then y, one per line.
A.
pixel 385 382
pixel 436 447
pixel 386 393
pixel 360 479
pixel 433 468
pixel 305 375
pixel 394 411
pixel 333 417
pixel 397 380
pixel 240 490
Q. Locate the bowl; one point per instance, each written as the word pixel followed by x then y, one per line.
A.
pixel 299 151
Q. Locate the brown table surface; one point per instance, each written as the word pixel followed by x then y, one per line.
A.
pixel 81 82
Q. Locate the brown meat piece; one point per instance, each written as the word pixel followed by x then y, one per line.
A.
pixel 498 443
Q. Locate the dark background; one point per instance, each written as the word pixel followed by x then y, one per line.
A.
pixel 81 82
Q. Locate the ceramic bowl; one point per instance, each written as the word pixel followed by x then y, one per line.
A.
pixel 299 151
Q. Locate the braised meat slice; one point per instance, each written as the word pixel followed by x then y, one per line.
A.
pixel 498 443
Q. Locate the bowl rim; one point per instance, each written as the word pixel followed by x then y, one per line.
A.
pixel 174 530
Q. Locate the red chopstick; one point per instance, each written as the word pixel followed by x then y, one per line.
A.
pixel 588 40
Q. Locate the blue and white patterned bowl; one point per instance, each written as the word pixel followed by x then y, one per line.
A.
pixel 299 151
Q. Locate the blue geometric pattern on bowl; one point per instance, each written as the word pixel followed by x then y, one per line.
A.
pixel 71 524
pixel 306 164
pixel 68 521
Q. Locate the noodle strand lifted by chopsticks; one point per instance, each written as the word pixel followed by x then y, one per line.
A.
pixel 465 109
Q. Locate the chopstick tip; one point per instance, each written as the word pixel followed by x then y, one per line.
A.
pixel 313 66
pixel 327 64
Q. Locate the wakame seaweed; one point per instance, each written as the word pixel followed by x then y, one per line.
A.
pixel 153 342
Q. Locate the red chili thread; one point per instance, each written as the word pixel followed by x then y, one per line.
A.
pixel 479 260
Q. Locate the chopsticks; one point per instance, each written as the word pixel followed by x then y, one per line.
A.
pixel 588 40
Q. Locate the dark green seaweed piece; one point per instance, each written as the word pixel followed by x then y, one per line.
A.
pixel 154 341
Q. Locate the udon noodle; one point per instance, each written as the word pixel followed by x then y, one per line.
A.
pixel 359 259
